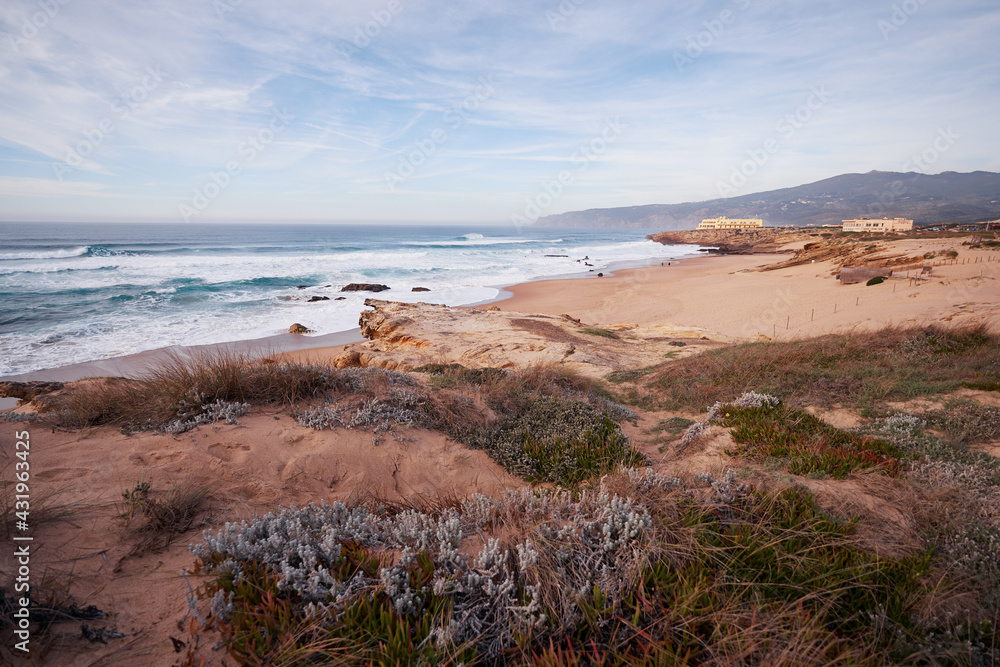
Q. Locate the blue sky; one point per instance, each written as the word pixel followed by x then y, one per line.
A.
pixel 429 111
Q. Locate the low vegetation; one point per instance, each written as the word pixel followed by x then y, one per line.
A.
pixel 640 569
pixel 966 422
pixel 984 385
pixel 187 391
pixel 603 333
pixel 806 445
pixel 863 370
pixel 156 519
pixel 542 424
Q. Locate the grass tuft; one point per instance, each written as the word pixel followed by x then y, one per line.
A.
pixel 967 422
pixel 185 392
pixel 157 521
pixel 618 377
pixel 603 333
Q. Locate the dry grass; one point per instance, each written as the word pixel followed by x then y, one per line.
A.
pixel 183 383
pixel 863 369
pixel 153 522
pixel 44 508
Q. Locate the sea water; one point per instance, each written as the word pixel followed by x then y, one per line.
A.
pixel 72 293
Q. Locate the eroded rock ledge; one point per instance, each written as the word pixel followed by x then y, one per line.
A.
pixel 405 336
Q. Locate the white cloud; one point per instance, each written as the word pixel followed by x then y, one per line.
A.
pixel 40 187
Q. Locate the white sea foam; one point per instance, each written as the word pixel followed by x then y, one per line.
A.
pixel 45 254
pixel 152 299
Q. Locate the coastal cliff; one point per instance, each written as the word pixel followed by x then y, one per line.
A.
pixel 734 241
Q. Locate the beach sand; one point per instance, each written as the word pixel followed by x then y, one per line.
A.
pixel 726 295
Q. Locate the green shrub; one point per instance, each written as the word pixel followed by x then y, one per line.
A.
pixel 806 444
pixel 618 377
pixel 986 385
pixel 877 280
pixel 555 439
pixel 603 333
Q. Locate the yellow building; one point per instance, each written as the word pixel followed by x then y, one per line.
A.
pixel 726 223
pixel 883 225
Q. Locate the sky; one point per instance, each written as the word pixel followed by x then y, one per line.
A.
pixel 427 111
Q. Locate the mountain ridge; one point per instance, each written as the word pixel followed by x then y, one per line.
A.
pixel 926 198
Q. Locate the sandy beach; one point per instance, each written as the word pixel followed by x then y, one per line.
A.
pixel 728 295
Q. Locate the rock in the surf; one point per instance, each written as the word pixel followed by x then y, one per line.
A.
pixel 364 287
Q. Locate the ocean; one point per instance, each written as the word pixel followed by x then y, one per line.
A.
pixel 73 293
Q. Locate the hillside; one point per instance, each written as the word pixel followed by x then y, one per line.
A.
pixel 927 199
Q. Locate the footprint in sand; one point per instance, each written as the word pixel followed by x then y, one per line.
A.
pixel 228 453
pixel 166 457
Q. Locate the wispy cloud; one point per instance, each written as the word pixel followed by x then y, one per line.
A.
pixel 40 187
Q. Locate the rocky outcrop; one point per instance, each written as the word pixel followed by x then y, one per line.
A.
pixel 314 299
pixel 734 241
pixel 364 287
pixel 409 335
pixel 420 289
pixel 299 329
pixel 27 391
pixel 842 251
pixel 847 252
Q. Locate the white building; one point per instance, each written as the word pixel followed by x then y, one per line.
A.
pixel 726 223
pixel 883 225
